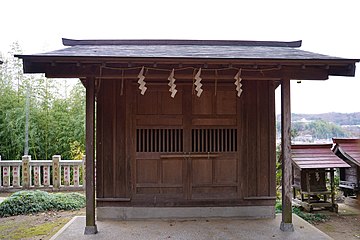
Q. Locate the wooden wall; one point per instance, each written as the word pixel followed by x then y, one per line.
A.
pixel 244 177
pixel 111 152
pixel 257 141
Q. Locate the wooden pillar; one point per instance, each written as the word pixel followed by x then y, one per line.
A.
pixel 90 157
pixel 286 222
pixel 332 186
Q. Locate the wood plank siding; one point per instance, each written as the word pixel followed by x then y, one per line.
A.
pixel 154 150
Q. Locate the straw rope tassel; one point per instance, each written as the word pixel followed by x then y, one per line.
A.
pixel 172 84
pixel 141 81
pixel 198 83
pixel 238 83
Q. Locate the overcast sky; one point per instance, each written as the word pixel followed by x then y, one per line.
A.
pixel 325 26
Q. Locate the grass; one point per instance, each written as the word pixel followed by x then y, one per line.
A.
pixel 21 229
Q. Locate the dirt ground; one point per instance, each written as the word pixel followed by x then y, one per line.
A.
pixel 344 225
pixel 36 226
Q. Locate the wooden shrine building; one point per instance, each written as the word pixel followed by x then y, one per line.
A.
pixel 349 151
pixel 185 127
pixel 313 164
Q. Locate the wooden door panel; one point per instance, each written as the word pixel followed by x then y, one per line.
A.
pixel 193 149
pixel 213 192
pixel 202 171
pixel 172 171
pixel 147 171
pixel 155 120
pixel 148 190
pixel 225 171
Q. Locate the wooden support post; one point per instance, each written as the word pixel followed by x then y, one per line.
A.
pixel 26 171
pixel 332 185
pixel 56 171
pixel 308 189
pixel 90 156
pixel 286 223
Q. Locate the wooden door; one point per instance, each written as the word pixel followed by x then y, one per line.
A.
pixel 160 167
pixel 214 145
pixel 186 147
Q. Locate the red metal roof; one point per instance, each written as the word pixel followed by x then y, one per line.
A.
pixel 307 156
pixel 349 148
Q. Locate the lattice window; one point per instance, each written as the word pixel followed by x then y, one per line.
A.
pixel 214 140
pixel 159 140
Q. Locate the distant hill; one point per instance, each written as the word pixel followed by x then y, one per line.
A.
pixel 332 117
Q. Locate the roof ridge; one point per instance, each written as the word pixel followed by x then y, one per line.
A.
pixel 97 42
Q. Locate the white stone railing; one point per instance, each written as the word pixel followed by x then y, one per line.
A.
pixel 55 174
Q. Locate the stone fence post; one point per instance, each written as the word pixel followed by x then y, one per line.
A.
pixel 84 171
pixel 16 176
pixel 26 171
pixel 56 171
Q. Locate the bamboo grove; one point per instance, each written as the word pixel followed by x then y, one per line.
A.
pixel 56 113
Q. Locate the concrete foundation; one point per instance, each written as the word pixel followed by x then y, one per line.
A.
pixel 133 213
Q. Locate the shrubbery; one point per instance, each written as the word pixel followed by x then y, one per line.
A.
pixel 26 202
pixel 309 217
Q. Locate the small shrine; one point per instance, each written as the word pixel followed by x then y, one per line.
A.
pixel 349 151
pixel 313 166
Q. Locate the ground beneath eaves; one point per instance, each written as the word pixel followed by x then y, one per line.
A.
pixel 344 225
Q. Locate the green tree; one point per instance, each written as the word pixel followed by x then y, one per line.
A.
pixel 56 123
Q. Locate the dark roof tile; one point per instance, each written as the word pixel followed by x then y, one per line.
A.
pixel 200 51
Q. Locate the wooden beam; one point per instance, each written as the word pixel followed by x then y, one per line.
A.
pixel 286 223
pixel 90 227
pixel 265 72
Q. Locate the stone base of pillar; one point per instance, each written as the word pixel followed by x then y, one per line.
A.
pixel 90 230
pixel 286 227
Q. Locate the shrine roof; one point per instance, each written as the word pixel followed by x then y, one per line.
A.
pixel 284 57
pixel 310 156
pixel 208 49
pixel 348 148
